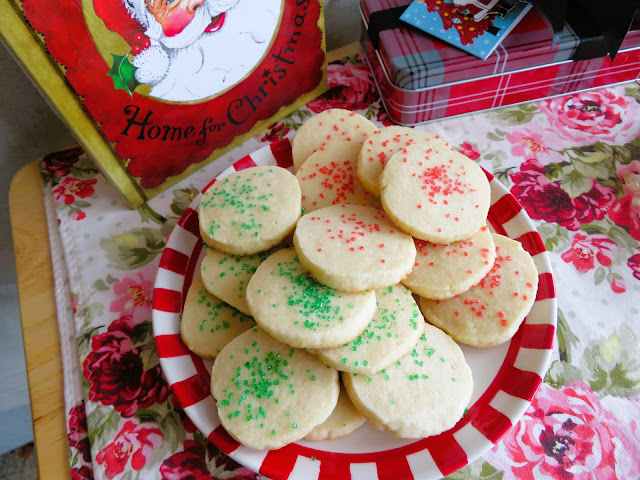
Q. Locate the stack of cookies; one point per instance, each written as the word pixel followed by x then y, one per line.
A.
pixel 315 287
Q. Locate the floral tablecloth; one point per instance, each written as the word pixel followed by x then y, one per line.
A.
pixel 571 161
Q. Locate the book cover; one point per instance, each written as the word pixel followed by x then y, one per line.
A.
pixel 155 89
pixel 475 26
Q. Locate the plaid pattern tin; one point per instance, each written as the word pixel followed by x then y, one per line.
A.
pixel 421 78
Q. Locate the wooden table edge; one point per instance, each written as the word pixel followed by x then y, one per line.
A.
pixel 39 322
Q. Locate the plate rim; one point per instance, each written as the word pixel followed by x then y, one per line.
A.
pixel 468 440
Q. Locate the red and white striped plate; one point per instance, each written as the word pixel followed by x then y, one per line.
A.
pixel 505 377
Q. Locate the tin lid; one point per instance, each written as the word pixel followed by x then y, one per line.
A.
pixel 414 59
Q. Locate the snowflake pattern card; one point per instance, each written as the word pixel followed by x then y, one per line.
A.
pixel 475 26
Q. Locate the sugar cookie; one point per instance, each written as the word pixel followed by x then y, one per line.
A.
pixel 438 196
pixel 208 323
pixel 294 308
pixel 353 247
pixel 332 124
pixel 328 177
pixel 344 419
pixel 250 210
pixel 393 332
pixel 424 393
pixel 227 276
pixel 382 144
pixel 443 271
pixel 490 312
pixel 270 394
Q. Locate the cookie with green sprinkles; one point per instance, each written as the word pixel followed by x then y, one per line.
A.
pixel 490 312
pixel 293 307
pixel 227 276
pixel 328 177
pixel 250 210
pixel 344 419
pixel 328 126
pixel 208 323
pixel 353 247
pixel 393 332
pixel 422 394
pixel 444 271
pixel 270 394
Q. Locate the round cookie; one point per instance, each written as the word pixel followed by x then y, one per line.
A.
pixel 443 271
pixel 490 312
pixel 382 144
pixel 207 323
pixel 227 276
pixel 424 393
pixel 294 308
pixel 393 332
pixel 328 177
pixel 344 419
pixel 270 394
pixel 353 248
pixel 439 197
pixel 250 210
pixel 327 126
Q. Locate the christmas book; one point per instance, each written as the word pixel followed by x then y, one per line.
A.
pixel 155 89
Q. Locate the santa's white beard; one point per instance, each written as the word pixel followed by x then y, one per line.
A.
pixel 204 64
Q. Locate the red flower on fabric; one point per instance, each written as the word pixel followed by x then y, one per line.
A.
pixel 594 204
pixel 565 434
pixel 350 87
pixel 133 445
pixel 469 151
pixel 383 117
pixel 585 251
pixel 133 294
pixel 633 262
pixel 70 188
pixel 82 473
pixel 78 437
pixel 58 164
pixel 192 463
pixel 79 215
pixel 542 199
pixel 275 132
pixel 116 374
pixel 626 210
pixel 587 117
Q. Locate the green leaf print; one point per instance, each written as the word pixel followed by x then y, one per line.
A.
pixel 517 115
pixel 478 470
pixel 103 425
pixel 182 198
pixel 575 184
pixel 566 338
pixel 561 373
pixel 133 249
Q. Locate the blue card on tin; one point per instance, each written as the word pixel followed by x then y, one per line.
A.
pixel 475 26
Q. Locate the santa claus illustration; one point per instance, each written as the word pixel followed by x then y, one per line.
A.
pixel 194 49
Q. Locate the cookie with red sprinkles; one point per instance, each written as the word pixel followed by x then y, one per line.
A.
pixel 490 312
pixel 328 126
pixel 353 248
pixel 293 307
pixel 382 144
pixel 443 271
pixel 434 194
pixel 250 210
pixel 328 177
